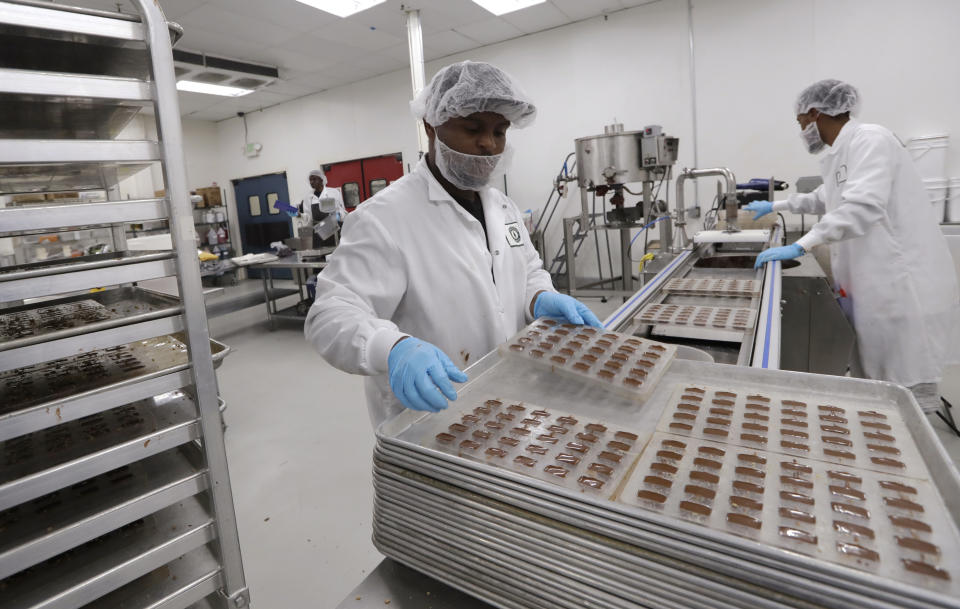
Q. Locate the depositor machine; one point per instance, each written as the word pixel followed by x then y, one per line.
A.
pixel 701 291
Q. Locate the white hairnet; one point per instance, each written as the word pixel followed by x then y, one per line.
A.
pixel 830 96
pixel 461 89
pixel 318 173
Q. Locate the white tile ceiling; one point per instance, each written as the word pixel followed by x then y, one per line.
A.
pixel 315 51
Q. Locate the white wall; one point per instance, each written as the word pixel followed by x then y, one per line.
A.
pixel 752 57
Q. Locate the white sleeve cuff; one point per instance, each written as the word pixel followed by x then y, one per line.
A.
pixel 781 206
pixel 809 241
pixel 378 348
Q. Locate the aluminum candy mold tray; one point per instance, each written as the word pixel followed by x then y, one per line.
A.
pixel 720 318
pixel 575 452
pixel 41 383
pixel 866 509
pixel 621 362
pixel 23 324
pixel 705 286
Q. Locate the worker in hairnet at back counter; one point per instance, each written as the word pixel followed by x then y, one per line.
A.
pixel 437 269
pixel 892 270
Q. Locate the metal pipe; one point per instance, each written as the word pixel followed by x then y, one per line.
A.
pixel 417 79
pixel 170 135
pixel 693 101
pixel 731 188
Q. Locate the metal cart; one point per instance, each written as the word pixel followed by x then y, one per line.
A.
pixel 114 490
pixel 301 263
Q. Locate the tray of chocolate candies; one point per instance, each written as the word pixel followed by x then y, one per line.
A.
pixel 837 481
pixel 626 364
pixel 572 451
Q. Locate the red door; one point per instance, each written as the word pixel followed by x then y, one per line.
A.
pixel 360 179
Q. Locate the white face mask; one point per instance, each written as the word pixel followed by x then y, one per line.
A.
pixel 811 138
pixel 471 171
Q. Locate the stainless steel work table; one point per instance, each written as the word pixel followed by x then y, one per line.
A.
pixel 405 588
pixel 300 263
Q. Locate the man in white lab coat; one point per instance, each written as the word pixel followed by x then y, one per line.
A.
pixel 437 269
pixel 892 269
pixel 323 205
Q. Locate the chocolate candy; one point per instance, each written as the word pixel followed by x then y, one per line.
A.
pixel 849 528
pixel 651 496
pixel 743 520
pixel 798 535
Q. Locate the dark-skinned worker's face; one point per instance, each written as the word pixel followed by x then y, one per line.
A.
pixel 480 133
pixel 807 117
pixel 316 182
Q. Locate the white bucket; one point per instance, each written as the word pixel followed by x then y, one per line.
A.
pixel 937 191
pixel 929 154
pixel 953 201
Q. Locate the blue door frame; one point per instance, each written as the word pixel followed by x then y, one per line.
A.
pixel 260 222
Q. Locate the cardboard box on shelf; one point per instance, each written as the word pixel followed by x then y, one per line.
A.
pixel 211 196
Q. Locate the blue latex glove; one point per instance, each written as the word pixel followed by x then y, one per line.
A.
pixel 762 208
pixel 567 308
pixel 787 252
pixel 420 375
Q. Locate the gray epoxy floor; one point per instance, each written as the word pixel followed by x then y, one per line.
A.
pixel 299 444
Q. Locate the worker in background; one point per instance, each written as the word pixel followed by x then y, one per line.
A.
pixel 892 270
pixel 323 206
pixel 437 269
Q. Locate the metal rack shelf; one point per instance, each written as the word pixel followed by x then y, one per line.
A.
pixel 49 330
pixel 175 585
pixel 50 526
pixel 43 462
pixel 87 572
pixel 86 272
pixel 55 176
pixel 115 490
pixel 166 368
pixel 76 215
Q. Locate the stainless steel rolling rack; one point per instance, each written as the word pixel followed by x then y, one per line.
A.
pixel 114 488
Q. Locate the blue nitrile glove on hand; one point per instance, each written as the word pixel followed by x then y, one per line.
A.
pixel 787 252
pixel 420 375
pixel 762 208
pixel 561 306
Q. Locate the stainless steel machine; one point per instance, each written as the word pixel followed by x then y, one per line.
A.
pixel 606 165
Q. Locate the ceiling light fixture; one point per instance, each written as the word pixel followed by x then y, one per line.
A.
pixel 502 7
pixel 203 87
pixel 342 8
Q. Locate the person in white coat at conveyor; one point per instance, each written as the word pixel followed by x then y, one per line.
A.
pixel 437 269
pixel 891 266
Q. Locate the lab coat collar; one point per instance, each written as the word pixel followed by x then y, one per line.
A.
pixel 435 191
pixel 846 132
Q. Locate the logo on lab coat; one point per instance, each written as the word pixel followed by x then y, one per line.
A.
pixel 841 175
pixel 514 236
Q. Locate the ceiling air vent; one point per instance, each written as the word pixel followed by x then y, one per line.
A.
pixel 201 68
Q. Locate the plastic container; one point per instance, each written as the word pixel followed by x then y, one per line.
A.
pixel 937 190
pixel 929 154
pixel 624 363
pixel 953 201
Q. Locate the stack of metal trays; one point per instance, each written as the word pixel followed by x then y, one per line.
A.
pixel 543 488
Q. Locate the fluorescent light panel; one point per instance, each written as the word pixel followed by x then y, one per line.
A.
pixel 207 88
pixel 342 8
pixel 502 7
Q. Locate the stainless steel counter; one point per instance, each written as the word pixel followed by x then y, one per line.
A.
pixel 396 586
